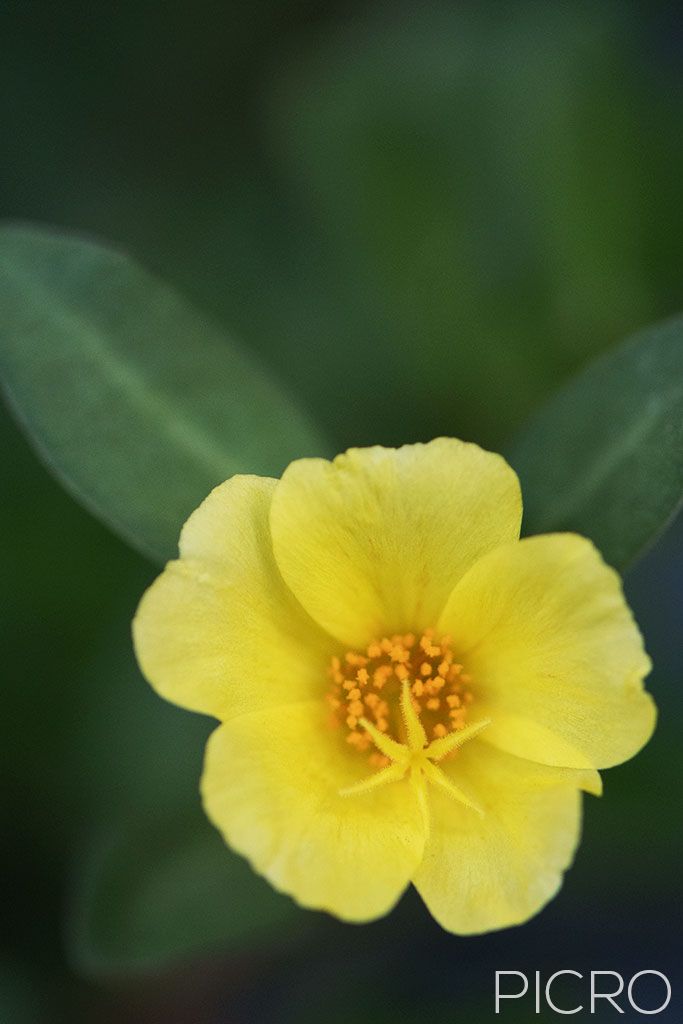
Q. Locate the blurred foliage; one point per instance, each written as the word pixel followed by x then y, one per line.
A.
pixel 137 403
pixel 422 218
pixel 604 456
pixel 153 882
pixel 21 1000
pixel 483 175
pixel 140 407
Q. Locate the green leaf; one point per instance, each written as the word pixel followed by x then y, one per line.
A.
pixel 604 456
pixel 156 889
pixel 135 401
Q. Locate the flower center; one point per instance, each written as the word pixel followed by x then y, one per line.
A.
pixel 368 685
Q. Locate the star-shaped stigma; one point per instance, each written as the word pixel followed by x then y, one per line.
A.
pixel 417 757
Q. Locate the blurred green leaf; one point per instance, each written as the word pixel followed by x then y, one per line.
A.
pixel 604 456
pixel 138 404
pixel 156 889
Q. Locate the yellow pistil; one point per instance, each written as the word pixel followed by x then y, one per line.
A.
pixel 416 758
pixel 367 684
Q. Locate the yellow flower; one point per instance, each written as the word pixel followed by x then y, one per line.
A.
pixel 408 692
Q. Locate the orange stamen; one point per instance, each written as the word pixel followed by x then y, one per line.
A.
pixel 366 686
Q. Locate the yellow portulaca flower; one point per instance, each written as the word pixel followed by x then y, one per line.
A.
pixel 408 692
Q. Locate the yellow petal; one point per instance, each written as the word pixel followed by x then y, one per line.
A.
pixel 480 873
pixel 218 631
pixel 375 540
pixel 271 785
pixel 556 659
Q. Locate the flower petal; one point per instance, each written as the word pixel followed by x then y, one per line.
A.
pixel 480 873
pixel 218 631
pixel 556 659
pixel 271 785
pixel 375 540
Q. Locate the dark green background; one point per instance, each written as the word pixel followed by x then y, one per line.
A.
pixel 423 217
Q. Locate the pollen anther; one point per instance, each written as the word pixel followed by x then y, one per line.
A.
pixel 368 686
